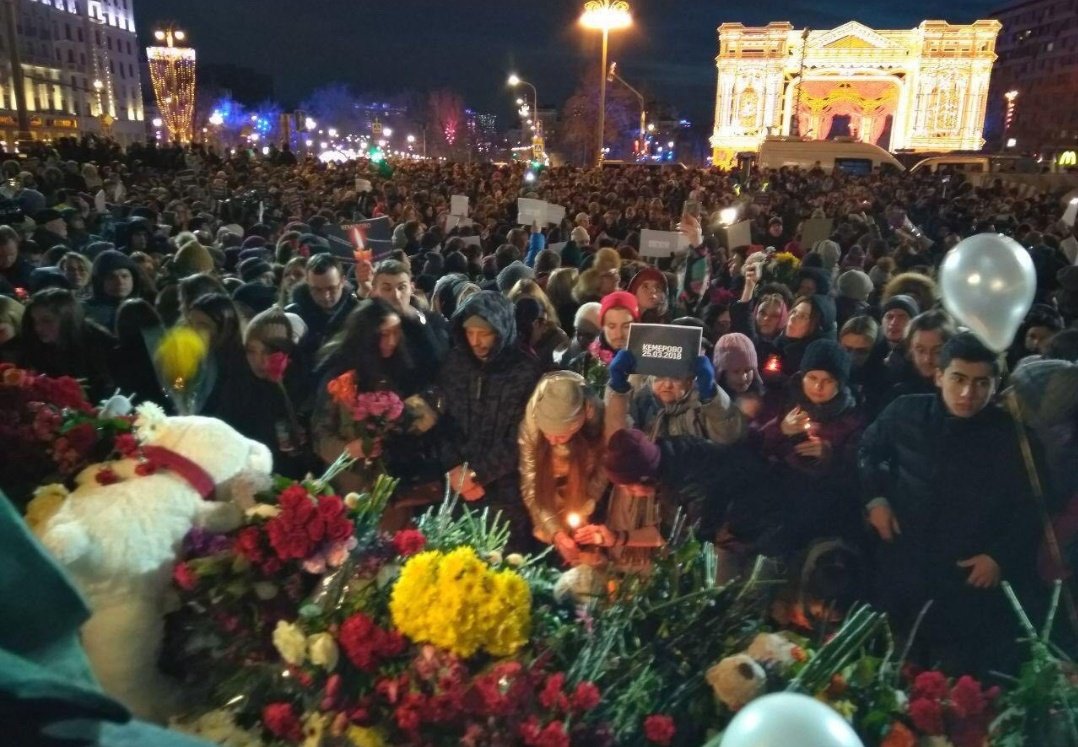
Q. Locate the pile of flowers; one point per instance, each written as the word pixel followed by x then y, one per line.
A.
pixel 48 431
pixel 960 710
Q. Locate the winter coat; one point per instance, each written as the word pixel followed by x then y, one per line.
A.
pixel 483 402
pixel 545 511
pixel 715 420
pixel 321 325
pixel 427 338
pixel 958 488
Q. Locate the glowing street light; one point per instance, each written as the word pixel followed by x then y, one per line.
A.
pixel 332 132
pixel 387 132
pixel 411 139
pixel 605 16
pixel 217 119
pixel 157 122
pixel 309 124
pixel 514 81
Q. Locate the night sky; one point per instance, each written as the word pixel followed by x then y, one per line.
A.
pixel 384 46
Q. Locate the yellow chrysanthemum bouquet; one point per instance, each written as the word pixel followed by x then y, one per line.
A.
pixel 458 602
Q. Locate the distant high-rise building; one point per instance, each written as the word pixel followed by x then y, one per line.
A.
pixel 80 69
pixel 1038 67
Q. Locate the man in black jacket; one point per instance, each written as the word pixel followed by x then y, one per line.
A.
pixel 425 333
pixel 484 386
pixel 323 302
pixel 946 489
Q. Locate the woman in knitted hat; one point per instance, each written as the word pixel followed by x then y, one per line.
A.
pixel 817 439
pixel 561 473
pixel 737 372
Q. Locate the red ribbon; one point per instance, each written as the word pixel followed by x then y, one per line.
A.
pixel 195 476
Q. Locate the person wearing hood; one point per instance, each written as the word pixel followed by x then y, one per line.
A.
pixel 485 385
pixel 817 439
pixel 323 302
pixel 115 278
pixel 811 318
pixel 51 229
pixel 813 281
pixel 652 295
pixel 79 271
pixel 737 372
pixel 561 471
pixel 854 287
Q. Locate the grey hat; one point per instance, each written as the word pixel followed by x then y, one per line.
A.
pixel 854 284
pixel 512 274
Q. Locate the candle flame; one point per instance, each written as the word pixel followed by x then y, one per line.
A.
pixel 573 519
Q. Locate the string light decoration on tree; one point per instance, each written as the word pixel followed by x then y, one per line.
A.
pixel 172 72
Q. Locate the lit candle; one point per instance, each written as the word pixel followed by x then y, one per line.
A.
pixel 808 427
pixel 573 519
pixel 773 365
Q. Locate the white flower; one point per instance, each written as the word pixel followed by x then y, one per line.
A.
pixel 149 417
pixel 290 642
pixel 322 650
pixel 219 727
pixel 736 680
pixel 515 559
pixel 494 557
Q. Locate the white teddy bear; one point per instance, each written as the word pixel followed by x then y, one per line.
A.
pixel 119 541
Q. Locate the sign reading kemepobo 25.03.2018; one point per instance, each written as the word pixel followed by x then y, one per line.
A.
pixel 667 350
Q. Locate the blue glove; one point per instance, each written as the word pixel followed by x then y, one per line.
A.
pixel 705 377
pixel 621 367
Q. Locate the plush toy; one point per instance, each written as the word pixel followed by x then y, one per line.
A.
pixel 736 680
pixel 118 534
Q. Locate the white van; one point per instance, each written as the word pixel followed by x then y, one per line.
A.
pixel 979 164
pixel 847 155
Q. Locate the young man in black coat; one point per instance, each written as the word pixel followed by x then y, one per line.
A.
pixel 484 387
pixel 323 302
pixel 946 489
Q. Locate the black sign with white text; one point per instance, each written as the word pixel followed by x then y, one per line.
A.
pixel 667 350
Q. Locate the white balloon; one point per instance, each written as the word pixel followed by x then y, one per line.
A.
pixel 789 720
pixel 988 283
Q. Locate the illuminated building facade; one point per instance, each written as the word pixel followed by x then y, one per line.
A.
pixel 924 89
pixel 80 66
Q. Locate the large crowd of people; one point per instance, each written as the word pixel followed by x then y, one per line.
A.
pixel 837 420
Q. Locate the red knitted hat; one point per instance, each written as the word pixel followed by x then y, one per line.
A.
pixel 631 458
pixel 619 300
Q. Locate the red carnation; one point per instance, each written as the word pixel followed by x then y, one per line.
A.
pixel 552 696
pixel 409 542
pixel 275 367
pixel 281 721
pixel 530 731
pixel 931 685
pixel 365 644
pixel 249 544
pixel 408 713
pixel 585 697
pixel 659 729
pixel 127 445
pixel 553 736
pixel 184 577
pixel 333 513
pixel 967 697
pixel 82 437
pixel 927 716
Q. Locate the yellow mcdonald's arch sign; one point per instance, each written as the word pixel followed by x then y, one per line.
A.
pixel 1067 158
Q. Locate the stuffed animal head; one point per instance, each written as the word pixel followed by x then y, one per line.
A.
pixel 736 680
pixel 212 444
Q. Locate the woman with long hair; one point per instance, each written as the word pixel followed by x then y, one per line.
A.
pixel 59 340
pixel 138 330
pixel 222 393
pixel 561 467
pixel 370 347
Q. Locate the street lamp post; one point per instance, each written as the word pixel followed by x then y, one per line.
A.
pixel 538 145
pixel 605 16
pixel 611 77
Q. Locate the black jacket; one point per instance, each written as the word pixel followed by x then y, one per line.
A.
pixel 958 486
pixel 321 325
pixel 483 402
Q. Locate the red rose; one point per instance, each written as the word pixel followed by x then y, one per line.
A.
pixel 659 729
pixel 927 716
pixel 585 697
pixel 281 721
pixel 106 477
pixel 408 712
pixel 248 543
pixel 275 367
pixel 366 645
pixel 530 731
pixel 184 577
pixel 409 542
pixel 333 513
pixel 126 445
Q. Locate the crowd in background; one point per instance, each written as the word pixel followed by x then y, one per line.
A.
pixel 837 419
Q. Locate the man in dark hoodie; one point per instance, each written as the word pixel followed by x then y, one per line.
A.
pixel 323 301
pixel 485 385
pixel 51 229
pixel 115 278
